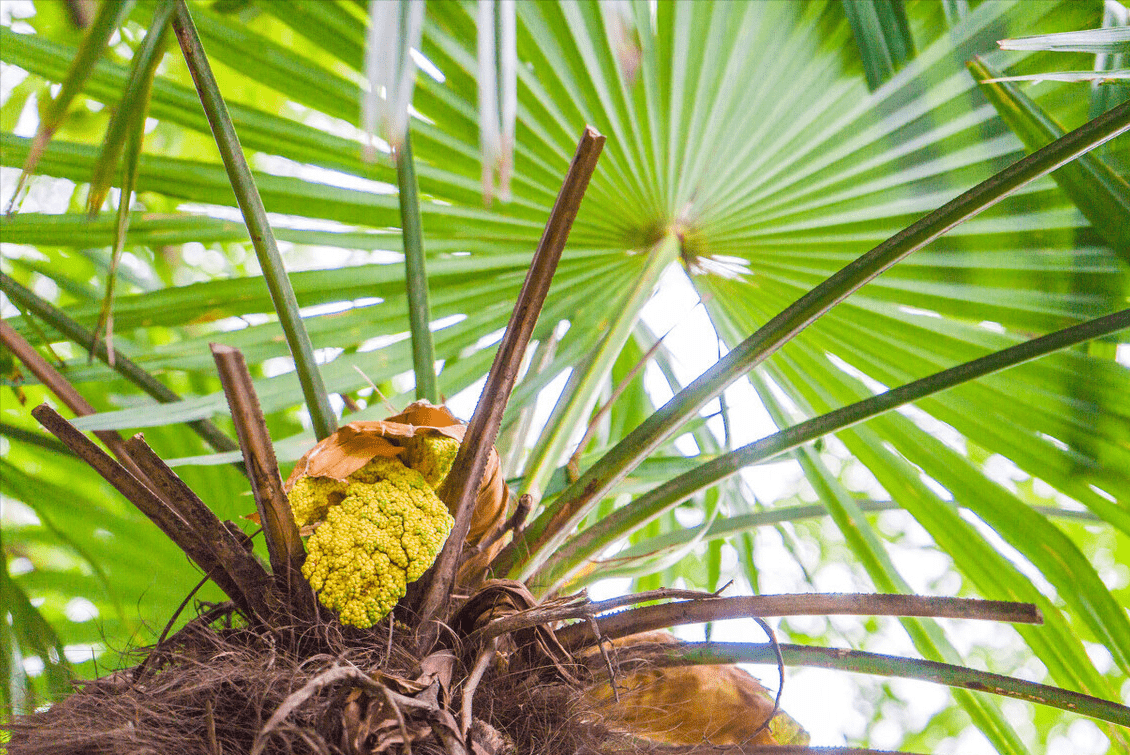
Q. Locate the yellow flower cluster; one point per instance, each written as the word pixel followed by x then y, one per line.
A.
pixel 431 456
pixel 381 529
pixel 311 498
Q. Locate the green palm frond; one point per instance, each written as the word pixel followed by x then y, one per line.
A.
pixel 748 157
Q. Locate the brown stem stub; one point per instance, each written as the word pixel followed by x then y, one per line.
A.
pixel 284 544
pixel 462 484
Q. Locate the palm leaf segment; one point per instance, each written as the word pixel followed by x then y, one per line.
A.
pixel 743 146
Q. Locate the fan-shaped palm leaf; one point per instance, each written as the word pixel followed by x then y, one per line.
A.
pixel 745 152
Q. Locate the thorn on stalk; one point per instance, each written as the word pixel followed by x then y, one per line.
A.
pixel 600 643
pixel 780 674
pixel 516 521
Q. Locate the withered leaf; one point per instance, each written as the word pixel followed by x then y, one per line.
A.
pixel 685 705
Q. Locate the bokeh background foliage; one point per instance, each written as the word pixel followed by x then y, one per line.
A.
pixel 753 150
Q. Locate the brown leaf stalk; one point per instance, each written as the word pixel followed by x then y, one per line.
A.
pixel 61 387
pixel 236 561
pixel 778 750
pixel 666 615
pixel 466 474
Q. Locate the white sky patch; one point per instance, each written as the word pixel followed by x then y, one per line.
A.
pixel 45 287
pixel 773 481
pixel 462 404
pixel 21 251
pixel 83 653
pixel 11 76
pixel 970 741
pixel 276 366
pixel 920 567
pixel 327 355
pixel 367 301
pixel 20 565
pixel 1054 441
pixel 277 165
pixel 28 122
pixel 12 10
pixel 1103 493
pixel 490 339
pixel 44 193
pixel 277 220
pixel 676 315
pixel 447 322
pixel 918 311
pixel 835 577
pixel 1122 354
pixel 1005 549
pixel 384 257
pixel 872 385
pixel 935 427
pixel 788 406
pixel 1116 577
pixel 656 385
pixel 80 609
pixel 859 479
pixel 1004 472
pixel 547 399
pixel 33 665
pixel 329 308
pixel 938 488
pixel 816 698
pixel 723 266
pixel 250 319
pixel 749 418
pixel 1082 738
pixel 689 517
pixel 210 260
pixel 426 65
pixel 335 126
pixel 1100 656
pixel 379 342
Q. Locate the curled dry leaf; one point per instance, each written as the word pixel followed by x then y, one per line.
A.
pixel 356 444
pixel 534 647
pixel 687 705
